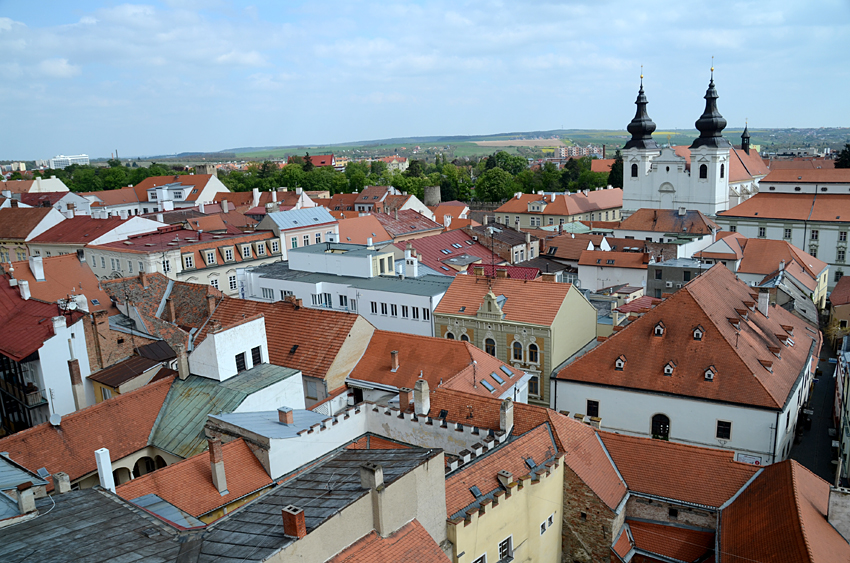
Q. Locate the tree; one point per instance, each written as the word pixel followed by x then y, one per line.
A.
pixel 113 162
pixel 267 169
pixel 615 176
pixel 414 169
pixel 494 185
pixel 308 163
pixel 843 160
pixel 378 167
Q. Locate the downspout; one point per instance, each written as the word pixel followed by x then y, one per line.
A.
pixel 776 436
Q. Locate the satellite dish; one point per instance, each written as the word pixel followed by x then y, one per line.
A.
pixel 72 305
pixel 55 419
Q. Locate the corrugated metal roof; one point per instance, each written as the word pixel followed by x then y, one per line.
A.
pixel 298 218
pixel 180 426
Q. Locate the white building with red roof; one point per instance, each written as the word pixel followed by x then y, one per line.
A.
pixel 159 193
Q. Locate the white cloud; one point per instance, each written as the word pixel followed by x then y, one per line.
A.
pixel 250 58
pixel 58 68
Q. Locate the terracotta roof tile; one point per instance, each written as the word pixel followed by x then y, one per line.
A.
pixel 357 230
pixel 782 516
pixel 466 295
pixel 744 167
pixel 16 186
pixel 188 484
pixel 601 165
pixel 514 272
pixel 124 371
pixel 796 207
pixel 813 176
pixel 612 259
pixel 409 544
pixel 39 199
pixel 570 246
pixel 122 424
pixel 16 223
pixel 430 250
pixel 567 204
pixel 409 221
pixel 371 442
pixel 81 229
pixel 841 292
pixel 680 544
pixel 668 221
pixel 709 300
pixel 799 163
pixel 639 305
pixel 108 198
pixel 198 181
pixel 762 256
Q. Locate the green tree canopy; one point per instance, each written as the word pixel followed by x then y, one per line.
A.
pixel 495 184
pixel 308 163
pixel 615 176
pixel 843 160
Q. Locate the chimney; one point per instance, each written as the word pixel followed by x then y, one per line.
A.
pixel 486 219
pixel 160 218
pixel 24 286
pixel 396 215
pixel 122 214
pixel 274 196
pixel 527 238
pixel 369 241
pixel 143 279
pixel 58 323
pixel 255 197
pixel 478 270
pixel 286 415
pixel 299 191
pixel 217 466
pixel 61 483
pixel 104 469
pixel 293 522
pixel 505 478
pixel 838 513
pixel 225 207
pixel 210 304
pixel 26 498
pixel 77 388
pixel 13 203
pixel 421 398
pixel 201 207
pixel 394 360
pixel 182 361
pixel 169 305
pixel 371 476
pixel 299 303
pixel 168 205
pixel 501 272
pixel 447 220
pixel 548 277
pixel 506 416
pixel 764 303
pixel 782 265
pixel 405 394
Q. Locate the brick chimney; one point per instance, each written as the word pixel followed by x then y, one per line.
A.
pixel 394 360
pixel 548 277
pixel 61 483
pixel 77 384
pixel 182 361
pixel 506 416
pixel 217 466
pixel 405 396
pixel 286 415
pixel 293 522
pixel 421 397
pixel 169 304
pixel 210 304
pixel 143 279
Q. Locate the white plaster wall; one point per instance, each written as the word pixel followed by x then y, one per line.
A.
pixel 286 237
pixel 597 277
pixel 332 263
pixel 215 357
pixel 54 356
pixel 289 393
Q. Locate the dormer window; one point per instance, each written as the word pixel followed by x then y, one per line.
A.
pixel 620 363
pixel 789 329
pixel 698 332
pixel 668 369
pixel 710 373
pixel 767 364
pixel 775 350
pixel 735 322
pixel 751 305
pixel 743 313
pixel 659 329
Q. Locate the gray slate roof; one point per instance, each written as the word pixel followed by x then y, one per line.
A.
pixel 12 475
pixel 179 429
pixel 256 531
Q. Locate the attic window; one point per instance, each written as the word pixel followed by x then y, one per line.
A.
pixel 767 364
pixel 775 350
pixel 736 323
pixel 620 363
pixel 552 250
pixel 610 262
pixel 789 329
pixel 446 251
pixel 487 386
pixel 293 349
pixel 476 492
pixel 599 260
pixel 751 305
pixel 443 413
pixel 668 369
pixel 470 242
pixel 529 461
pixel 456 245
pixel 698 332
pixel 659 329
pixel 742 312
pixel 444 268
pixel 95 302
pixel 195 191
pixel 498 379
pixel 506 371
pixel 710 373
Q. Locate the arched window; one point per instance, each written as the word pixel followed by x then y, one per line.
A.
pixel 532 354
pixel 517 351
pixel 464 338
pixel 703 171
pixel 660 427
pixel 634 170
pixel 450 336
pixel 722 170
pixel 490 346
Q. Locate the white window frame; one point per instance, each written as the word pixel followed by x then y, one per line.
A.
pixel 210 254
pixel 246 251
pixel 232 283
pixel 268 293
pixel 214 283
pixel 188 261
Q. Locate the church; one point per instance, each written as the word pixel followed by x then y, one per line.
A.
pixel 709 176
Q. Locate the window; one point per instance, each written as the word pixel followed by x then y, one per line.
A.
pixel 381 264
pixel 415 311
pixel 141 267
pixel 733 229
pixel 813 250
pixel 842 236
pixel 130 266
pixel 815 234
pixel 284 293
pixel 374 308
pixel 228 255
pixel 246 251
pixel 103 262
pixel 240 362
pixel 532 354
pixel 634 170
pixel 112 263
pixel 268 293
pixel 294 241
pixel 214 283
pixel 762 232
pixel 517 347
pixel 105 393
pixel 383 308
pixel 465 338
pixel 592 408
pixel 188 261
pixel 722 170
pixel 534 386
pixel 687 276
pixel 231 281
pixel 450 336
pixel 394 310
pixel 490 346
pixel 404 311
pixel 256 356
pixel 306 240
pixel 275 246
pixel 166 266
pixel 838 275
pixel 660 427
pixel 505 549
pixel 724 430
pixel 703 171
pixel 657 274
pixel 673 512
pixel 426 314
pixel 343 301
pixel 659 329
pixel 482 559
pixel 551 520
pixel 840 255
pixel 210 256
pixel 620 363
pixel 318 238
pixel 698 333
pixel 787 233
pixel 261 249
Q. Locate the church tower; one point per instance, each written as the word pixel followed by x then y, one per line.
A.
pixel 637 157
pixel 745 139
pixel 709 186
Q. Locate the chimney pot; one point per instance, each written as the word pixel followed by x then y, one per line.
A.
pixel 405 395
pixel 219 479
pixel 286 415
pixel 505 478
pixel 26 498
pixel 293 522
pixel 394 360
pixel 182 361
pixel 61 483
pixel 506 416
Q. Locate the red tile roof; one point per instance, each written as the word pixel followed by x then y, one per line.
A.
pixel 762 256
pixel 81 229
pixel 567 204
pixel 799 163
pixel 795 207
pixel 16 223
pixel 639 305
pixel 122 425
pixel 453 208
pixel 409 221
pixel 409 544
pixel 537 444
pixel 16 186
pixel 782 516
pixel 39 199
pixel 245 200
pixel 370 442
pixel 430 251
pixel 611 259
pixel 708 301
pixel 188 484
pixel 570 246
pixel 197 181
pixel 668 221
pixel 514 272
pixel 466 295
pixel 812 176
pixel 319 334
pixel 601 165
pixel 357 230
pixel 680 544
pixel 841 292
pixel 113 197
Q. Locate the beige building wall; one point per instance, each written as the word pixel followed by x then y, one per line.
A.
pixel 523 515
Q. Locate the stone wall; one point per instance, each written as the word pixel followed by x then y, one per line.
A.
pixel 588 523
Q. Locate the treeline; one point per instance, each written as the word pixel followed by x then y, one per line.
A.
pixel 88 178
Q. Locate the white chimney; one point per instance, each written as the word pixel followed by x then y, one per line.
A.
pixel 168 205
pixel 224 206
pixel 201 207
pixel 299 191
pixel 160 218
pixel 506 416
pixel 123 213
pixel 255 197
pixel 26 498
pixel 764 303
pixel 37 267
pixel 421 398
pixel 24 286
pixel 58 323
pixel 104 469
pixel 369 241
pixel 274 196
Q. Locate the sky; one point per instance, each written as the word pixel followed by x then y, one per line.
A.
pixel 207 75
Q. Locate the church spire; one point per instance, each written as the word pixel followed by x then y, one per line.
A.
pixel 745 139
pixel 711 124
pixel 641 127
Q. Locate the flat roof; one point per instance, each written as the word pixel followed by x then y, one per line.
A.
pixel 340 248
pixel 267 423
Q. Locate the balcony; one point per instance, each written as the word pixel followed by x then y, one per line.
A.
pixel 30 398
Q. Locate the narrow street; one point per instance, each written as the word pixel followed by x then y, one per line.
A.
pixel 815 450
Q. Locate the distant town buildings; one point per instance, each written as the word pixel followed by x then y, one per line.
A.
pixel 63 161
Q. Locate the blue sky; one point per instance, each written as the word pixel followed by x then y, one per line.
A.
pixel 206 75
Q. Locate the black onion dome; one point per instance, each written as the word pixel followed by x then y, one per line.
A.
pixel 641 126
pixel 711 124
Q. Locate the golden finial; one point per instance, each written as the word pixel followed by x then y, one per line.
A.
pixel 712 66
pixel 641 72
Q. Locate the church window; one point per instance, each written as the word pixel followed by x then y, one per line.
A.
pixel 634 170
pixel 722 170
pixel 703 171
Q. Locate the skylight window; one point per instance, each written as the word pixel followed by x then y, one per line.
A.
pixel 487 386
pixel 507 372
pixel 529 461
pixel 446 251
pixel 470 242
pixel 456 245
pixel 476 492
pixel 95 302
pixel 498 379
pixel 444 268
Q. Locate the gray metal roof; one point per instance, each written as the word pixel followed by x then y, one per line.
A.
pixel 12 475
pixel 179 429
pixel 267 423
pixel 683 263
pixel 298 218
pixel 341 248
pixel 255 531
pixel 89 525
pixel 423 285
